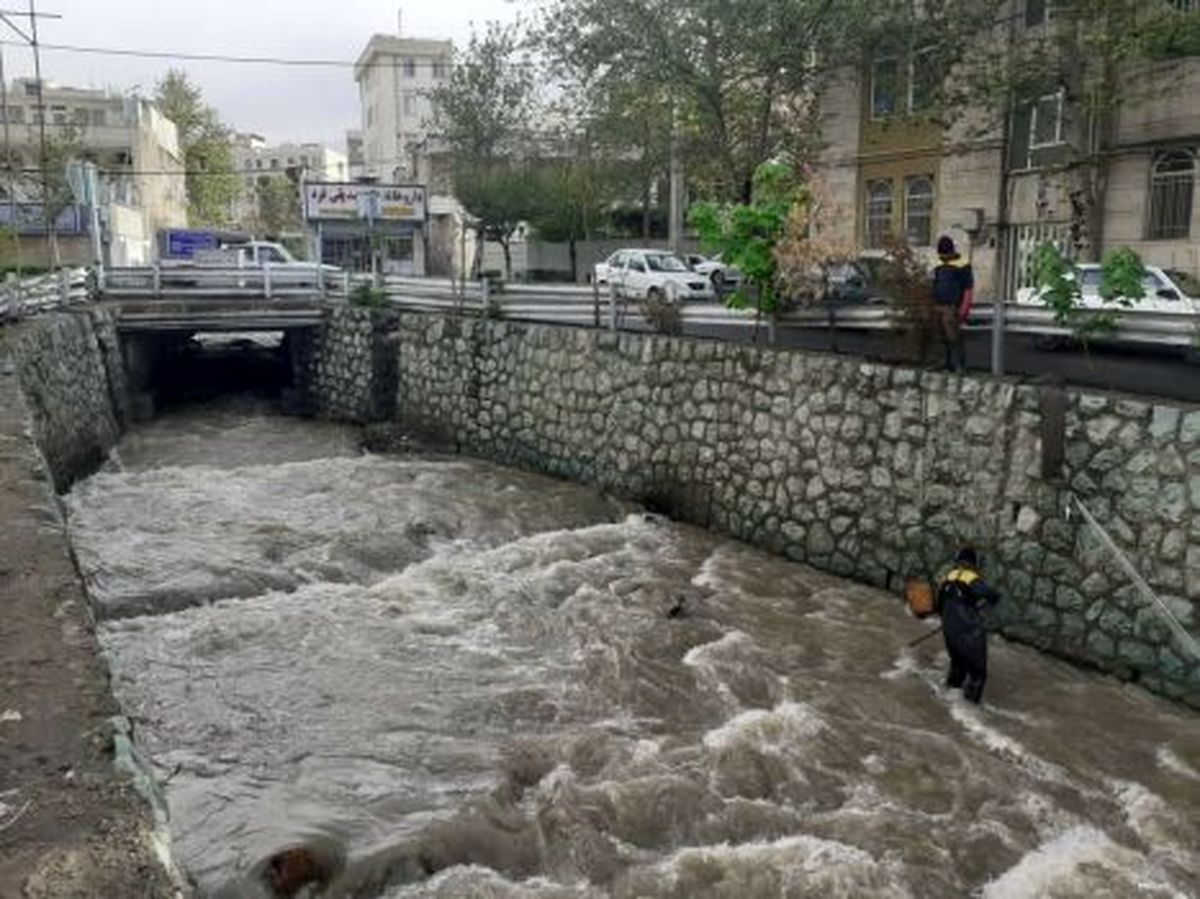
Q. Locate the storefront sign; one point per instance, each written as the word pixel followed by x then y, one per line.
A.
pixel 364 202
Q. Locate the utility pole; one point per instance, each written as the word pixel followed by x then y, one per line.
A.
pixel 31 38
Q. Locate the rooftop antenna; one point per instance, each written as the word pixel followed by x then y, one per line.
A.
pixel 400 21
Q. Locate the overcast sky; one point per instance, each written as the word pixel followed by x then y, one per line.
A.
pixel 280 103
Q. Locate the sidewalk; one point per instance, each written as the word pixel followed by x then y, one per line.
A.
pixel 69 825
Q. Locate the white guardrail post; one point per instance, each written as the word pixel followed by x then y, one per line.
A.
pixel 612 306
pixel 266 270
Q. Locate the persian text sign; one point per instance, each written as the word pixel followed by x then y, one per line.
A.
pixel 370 202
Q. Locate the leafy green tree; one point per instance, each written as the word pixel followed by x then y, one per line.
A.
pixel 745 235
pixel 278 206
pixel 482 116
pixel 569 203
pixel 499 198
pixel 1122 274
pixel 735 79
pixel 207 144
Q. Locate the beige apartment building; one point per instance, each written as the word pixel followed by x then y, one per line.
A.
pixel 396 76
pixel 135 148
pixel 258 162
pixel 1002 188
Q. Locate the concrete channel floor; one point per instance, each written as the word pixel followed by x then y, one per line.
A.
pixel 70 824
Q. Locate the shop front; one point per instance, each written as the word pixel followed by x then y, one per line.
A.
pixel 368 227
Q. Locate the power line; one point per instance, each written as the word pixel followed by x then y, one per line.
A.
pixel 175 55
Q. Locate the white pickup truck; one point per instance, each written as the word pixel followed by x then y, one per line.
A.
pixel 652 275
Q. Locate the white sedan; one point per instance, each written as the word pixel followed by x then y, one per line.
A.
pixel 1165 290
pixel 652 275
pixel 720 274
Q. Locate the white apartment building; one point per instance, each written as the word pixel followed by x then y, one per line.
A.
pixel 257 161
pixel 135 148
pixel 395 77
pixel 354 154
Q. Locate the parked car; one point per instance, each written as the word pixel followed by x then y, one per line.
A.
pixel 652 274
pixel 1166 290
pixel 859 282
pixel 720 274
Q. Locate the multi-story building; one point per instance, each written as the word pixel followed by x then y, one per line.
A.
pixel 354 155
pixel 1056 166
pixel 259 163
pixel 396 76
pixel 136 151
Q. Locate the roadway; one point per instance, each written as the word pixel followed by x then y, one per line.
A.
pixel 1150 372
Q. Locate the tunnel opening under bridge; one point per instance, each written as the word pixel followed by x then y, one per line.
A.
pixel 169 369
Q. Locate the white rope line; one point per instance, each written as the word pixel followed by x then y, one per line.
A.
pixel 1185 639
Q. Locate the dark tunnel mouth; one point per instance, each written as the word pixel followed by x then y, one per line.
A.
pixel 177 369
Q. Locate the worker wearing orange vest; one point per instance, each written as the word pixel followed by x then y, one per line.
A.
pixel 961 600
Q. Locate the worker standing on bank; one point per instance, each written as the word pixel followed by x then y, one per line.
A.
pixel 953 295
pixel 961 600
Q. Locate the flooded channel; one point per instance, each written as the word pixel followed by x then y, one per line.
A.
pixel 442 678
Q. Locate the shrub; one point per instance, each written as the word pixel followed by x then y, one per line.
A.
pixel 367 296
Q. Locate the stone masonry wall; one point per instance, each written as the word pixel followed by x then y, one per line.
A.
pixel 869 471
pixel 68 367
pixel 345 371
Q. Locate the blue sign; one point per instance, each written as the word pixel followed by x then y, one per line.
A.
pixel 28 218
pixel 185 244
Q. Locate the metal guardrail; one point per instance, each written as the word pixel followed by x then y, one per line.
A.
pixel 587 306
pixel 23 297
pixel 266 282
pixel 581 306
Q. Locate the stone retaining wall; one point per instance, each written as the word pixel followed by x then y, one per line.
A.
pixel 345 370
pixel 69 369
pixel 868 471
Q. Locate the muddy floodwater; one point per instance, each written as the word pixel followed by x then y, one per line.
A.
pixel 445 678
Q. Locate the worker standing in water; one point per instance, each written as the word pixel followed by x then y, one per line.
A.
pixel 961 600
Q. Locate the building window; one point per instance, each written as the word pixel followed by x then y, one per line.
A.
pixel 31 88
pixel 274 163
pixel 1037 12
pixel 440 68
pixel 878 213
pixel 304 161
pixel 58 115
pixel 258 163
pixel 1046 123
pixel 918 210
pixel 410 68
pixel 885 78
pixel 16 114
pixel 81 116
pixel 924 80
pixel 410 104
pixel 1172 186
pixel 98 118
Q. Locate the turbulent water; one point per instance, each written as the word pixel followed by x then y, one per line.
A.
pixel 449 679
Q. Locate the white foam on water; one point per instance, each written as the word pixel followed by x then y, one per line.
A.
pixel 704 655
pixel 475 882
pixel 971 717
pixel 1166 758
pixel 786 725
pixel 906 664
pixel 1152 819
pixel 1077 862
pixel 801 866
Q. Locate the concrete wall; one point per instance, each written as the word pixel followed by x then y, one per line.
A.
pixel 68 367
pixel 868 471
